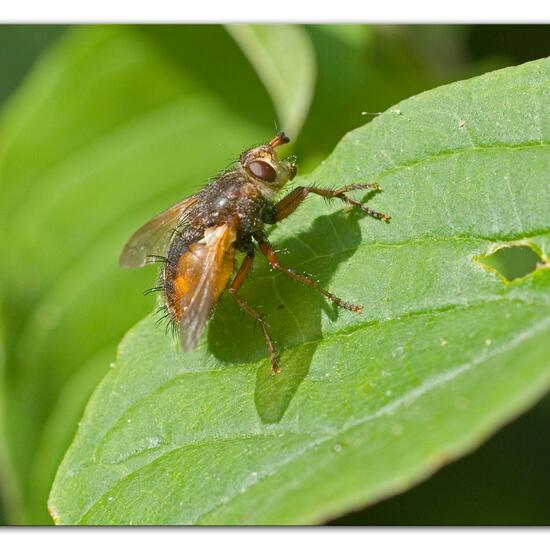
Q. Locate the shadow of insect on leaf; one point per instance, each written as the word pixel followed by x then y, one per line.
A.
pixel 296 327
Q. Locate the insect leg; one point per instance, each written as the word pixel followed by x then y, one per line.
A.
pixel 269 253
pixel 247 308
pixel 288 204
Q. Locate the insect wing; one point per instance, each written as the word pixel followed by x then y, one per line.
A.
pixel 205 270
pixel 152 239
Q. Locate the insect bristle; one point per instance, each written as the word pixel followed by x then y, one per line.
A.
pixel 154 259
pixel 154 289
pixel 165 318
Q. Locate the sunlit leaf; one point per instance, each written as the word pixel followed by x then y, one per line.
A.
pixel 444 353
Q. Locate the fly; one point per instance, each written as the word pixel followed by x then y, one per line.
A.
pixel 197 239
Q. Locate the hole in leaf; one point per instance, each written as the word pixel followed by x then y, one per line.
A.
pixel 512 262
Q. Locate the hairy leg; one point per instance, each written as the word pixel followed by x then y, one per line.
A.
pixel 288 204
pixel 247 308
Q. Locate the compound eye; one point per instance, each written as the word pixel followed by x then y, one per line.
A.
pixel 262 170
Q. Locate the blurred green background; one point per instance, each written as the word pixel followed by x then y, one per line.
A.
pixel 93 83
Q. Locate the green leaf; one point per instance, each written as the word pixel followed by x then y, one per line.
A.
pixel 109 128
pixel 362 69
pixel 503 482
pixel 445 352
pixel 284 58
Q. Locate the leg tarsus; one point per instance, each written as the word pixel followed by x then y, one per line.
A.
pixel 355 186
pixel 269 253
pixel 288 204
pixel 340 193
pixel 247 308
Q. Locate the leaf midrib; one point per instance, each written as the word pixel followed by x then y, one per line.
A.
pixel 363 244
pixel 328 337
pixel 449 153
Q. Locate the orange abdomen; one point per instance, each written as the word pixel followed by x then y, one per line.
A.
pixel 198 276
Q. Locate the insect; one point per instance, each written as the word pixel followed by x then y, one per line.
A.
pixel 197 239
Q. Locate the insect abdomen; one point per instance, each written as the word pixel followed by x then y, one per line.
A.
pixel 184 277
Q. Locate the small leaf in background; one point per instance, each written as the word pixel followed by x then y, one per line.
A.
pixel 366 406
pixel 284 59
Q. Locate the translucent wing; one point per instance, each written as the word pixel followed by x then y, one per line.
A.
pixel 202 274
pixel 152 239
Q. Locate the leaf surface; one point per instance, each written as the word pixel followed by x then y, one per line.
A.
pixel 444 353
